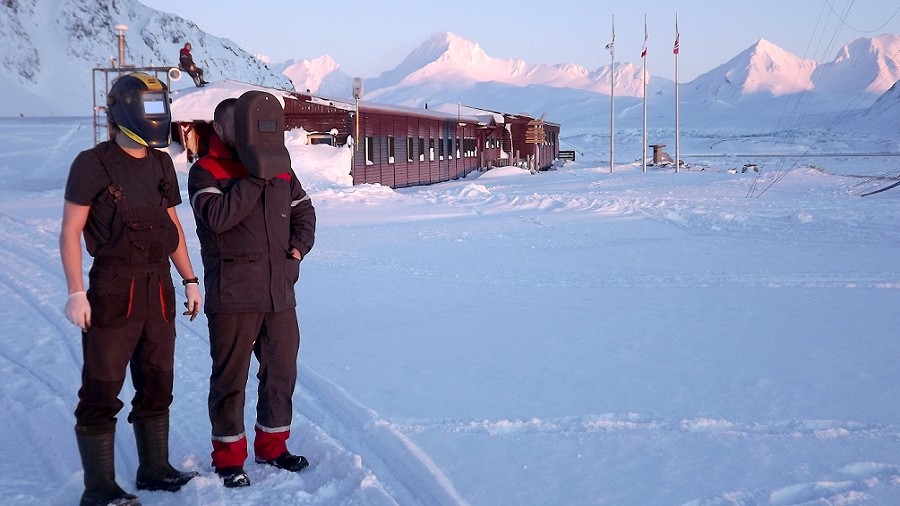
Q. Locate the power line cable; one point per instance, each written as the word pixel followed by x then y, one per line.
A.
pixel 854 104
pixel 843 20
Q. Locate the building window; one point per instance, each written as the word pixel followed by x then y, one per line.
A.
pixel 370 150
pixel 409 149
pixel 431 149
pixel 441 149
pixel 421 149
pixel 390 149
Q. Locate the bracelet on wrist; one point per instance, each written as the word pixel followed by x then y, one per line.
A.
pixel 190 281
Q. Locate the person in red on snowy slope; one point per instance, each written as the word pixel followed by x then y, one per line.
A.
pixel 121 195
pixel 256 224
pixel 186 63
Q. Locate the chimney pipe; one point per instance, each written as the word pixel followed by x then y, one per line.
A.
pixel 121 36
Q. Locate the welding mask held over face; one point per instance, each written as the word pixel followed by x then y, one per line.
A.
pixel 259 134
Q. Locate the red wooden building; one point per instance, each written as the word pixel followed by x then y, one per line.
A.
pixel 400 146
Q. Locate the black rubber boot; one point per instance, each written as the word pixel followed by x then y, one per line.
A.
pixel 154 471
pixel 233 477
pixel 287 461
pixel 98 460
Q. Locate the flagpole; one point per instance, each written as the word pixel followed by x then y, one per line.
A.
pixel 612 97
pixel 676 50
pixel 644 137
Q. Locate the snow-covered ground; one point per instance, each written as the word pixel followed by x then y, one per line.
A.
pixel 572 337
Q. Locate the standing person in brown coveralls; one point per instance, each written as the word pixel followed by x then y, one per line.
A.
pixel 121 195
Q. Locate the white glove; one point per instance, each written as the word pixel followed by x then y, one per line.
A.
pixel 194 301
pixel 78 310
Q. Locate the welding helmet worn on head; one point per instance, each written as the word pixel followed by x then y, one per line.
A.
pixel 138 105
pixel 259 134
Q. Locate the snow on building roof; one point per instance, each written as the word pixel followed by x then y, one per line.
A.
pixel 198 104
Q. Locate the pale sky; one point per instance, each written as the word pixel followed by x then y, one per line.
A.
pixel 371 36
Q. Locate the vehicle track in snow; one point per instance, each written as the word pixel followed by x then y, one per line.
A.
pixel 41 365
pixel 31 272
pixel 411 476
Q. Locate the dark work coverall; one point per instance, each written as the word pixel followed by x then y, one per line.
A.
pixel 247 227
pixel 130 235
pixel 186 63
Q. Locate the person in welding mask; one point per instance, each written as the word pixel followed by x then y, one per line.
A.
pixel 121 196
pixel 256 224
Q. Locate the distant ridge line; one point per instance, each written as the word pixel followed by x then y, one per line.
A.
pixel 788 155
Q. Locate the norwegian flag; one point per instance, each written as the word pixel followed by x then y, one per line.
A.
pixel 644 48
pixel 677 40
pixel 612 44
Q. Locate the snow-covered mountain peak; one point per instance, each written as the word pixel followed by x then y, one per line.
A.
pixel 867 64
pixel 885 44
pixel 324 64
pixel 452 55
pixel 448 46
pixel 766 46
pixel 775 70
pixel 761 68
pixel 447 54
pixel 314 74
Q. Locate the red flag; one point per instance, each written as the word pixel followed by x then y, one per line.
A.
pixel 612 43
pixel 644 48
pixel 677 39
